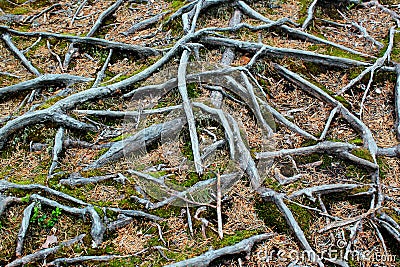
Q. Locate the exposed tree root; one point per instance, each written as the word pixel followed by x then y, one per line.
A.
pixel 208 257
pixel 310 14
pixel 239 103
pixel 23 229
pixel 75 179
pixel 42 81
pixel 143 51
pixel 42 254
pixel 62 261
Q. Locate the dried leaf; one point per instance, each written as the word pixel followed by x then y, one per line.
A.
pixel 51 239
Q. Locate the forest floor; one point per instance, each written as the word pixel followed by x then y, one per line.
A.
pixel 347 217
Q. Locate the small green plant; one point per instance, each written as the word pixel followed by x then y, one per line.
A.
pixel 26 198
pixel 55 214
pixel 42 220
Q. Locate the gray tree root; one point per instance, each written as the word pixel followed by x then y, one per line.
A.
pixel 144 24
pixel 75 179
pixel 97 230
pixel 189 111
pixel 138 142
pixel 207 258
pixel 286 52
pixel 322 189
pixel 6 201
pixel 140 50
pixel 23 229
pixel 136 213
pixel 43 81
pixel 234 83
pixel 295 32
pixel 227 59
pixel 310 14
pixel 75 260
pixel 312 89
pixel 5 185
pixel 291 221
pixel 371 69
pixel 7 39
pixel 57 149
pixel 103 16
pixel 339 149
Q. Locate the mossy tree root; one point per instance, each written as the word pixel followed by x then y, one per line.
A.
pixel 208 257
